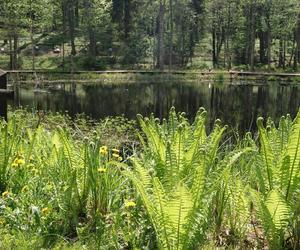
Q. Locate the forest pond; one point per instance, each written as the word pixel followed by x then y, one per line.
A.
pixel 237 104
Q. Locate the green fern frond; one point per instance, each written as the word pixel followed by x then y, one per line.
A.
pixel 293 154
pixel 143 174
pixel 278 208
pixel 267 154
pixel 161 217
pixel 214 140
pixel 180 206
pixel 155 140
pixel 274 214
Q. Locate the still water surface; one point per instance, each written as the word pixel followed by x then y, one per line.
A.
pixel 237 104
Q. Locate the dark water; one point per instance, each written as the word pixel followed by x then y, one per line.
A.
pixel 237 104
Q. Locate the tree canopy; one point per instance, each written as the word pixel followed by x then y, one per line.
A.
pixel 155 34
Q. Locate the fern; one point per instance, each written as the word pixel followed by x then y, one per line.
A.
pixel 280 154
pixel 293 154
pixel 267 154
pixel 274 214
pixel 178 156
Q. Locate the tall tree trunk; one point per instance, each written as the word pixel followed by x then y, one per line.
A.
pixel 161 45
pixel 90 27
pixel 15 63
pixel 281 49
pixel 220 38
pixel 269 51
pixel 252 37
pixel 31 37
pixel 182 43
pixel 263 47
pixel 64 24
pixel 71 24
pixel 127 19
pixel 32 47
pixel 11 58
pixel 171 34
pixel 228 38
pixel 214 49
pixel 154 43
pixel 228 54
pixel 76 13
pixel 297 37
pixel 284 53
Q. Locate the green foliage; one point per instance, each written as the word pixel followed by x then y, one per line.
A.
pixel 232 33
pixel 272 79
pixel 219 78
pixel 66 184
pixel 93 63
pixel 174 178
pixel 278 177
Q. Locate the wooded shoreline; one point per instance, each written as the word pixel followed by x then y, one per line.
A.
pixel 180 72
pixel 270 76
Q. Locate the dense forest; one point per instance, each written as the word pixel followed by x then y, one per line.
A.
pixel 162 34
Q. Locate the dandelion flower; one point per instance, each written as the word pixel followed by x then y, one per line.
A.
pixel 5 194
pixel 30 165
pixel 102 170
pixel 25 189
pixel 20 161
pixel 116 155
pixel 45 210
pixel 49 186
pixel 116 150
pixel 14 165
pixel 129 204
pixel 34 171
pixel 103 150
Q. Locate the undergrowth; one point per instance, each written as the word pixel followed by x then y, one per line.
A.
pixel 77 184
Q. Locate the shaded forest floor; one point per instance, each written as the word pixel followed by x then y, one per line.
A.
pixel 52 52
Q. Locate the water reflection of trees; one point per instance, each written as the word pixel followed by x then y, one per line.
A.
pixel 3 107
pixel 235 105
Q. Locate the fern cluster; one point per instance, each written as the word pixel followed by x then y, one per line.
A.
pixel 181 188
pixel 186 184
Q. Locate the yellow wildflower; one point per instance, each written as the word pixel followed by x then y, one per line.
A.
pixel 20 161
pixel 25 189
pixel 2 221
pixel 20 155
pixel 102 170
pixel 34 171
pixel 49 186
pixel 116 150
pixel 45 210
pixel 30 165
pixel 116 155
pixel 103 150
pixel 5 194
pixel 129 204
pixel 120 158
pixel 14 165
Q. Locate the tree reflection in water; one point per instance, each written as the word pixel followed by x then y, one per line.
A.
pixel 236 105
